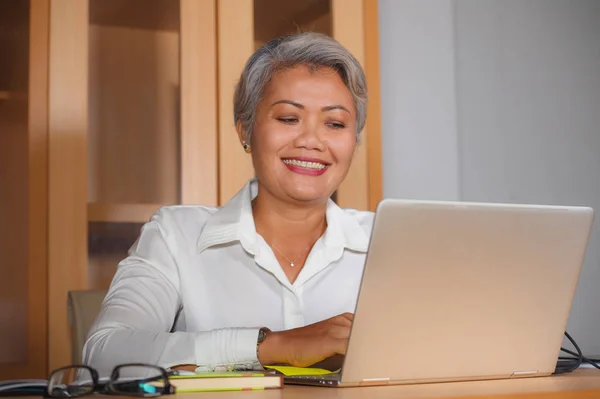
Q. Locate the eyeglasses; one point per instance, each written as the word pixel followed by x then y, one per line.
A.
pixel 128 379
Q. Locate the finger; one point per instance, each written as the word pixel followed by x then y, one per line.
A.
pixel 343 320
pixel 348 315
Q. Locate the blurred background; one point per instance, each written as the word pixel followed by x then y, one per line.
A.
pixel 112 108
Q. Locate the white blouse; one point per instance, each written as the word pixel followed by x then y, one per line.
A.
pixel 199 283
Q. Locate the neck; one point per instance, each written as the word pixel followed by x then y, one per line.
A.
pixel 284 222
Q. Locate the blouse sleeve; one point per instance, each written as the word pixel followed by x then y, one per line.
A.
pixel 139 311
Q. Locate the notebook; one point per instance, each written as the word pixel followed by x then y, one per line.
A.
pixel 241 381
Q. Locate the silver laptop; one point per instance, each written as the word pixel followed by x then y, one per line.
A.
pixel 456 291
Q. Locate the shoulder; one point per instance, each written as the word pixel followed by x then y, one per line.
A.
pixel 184 214
pixel 178 221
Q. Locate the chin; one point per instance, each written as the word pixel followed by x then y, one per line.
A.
pixel 308 194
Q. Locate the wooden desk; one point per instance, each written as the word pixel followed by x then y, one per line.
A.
pixel 582 384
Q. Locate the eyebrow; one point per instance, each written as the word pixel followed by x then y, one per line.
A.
pixel 332 107
pixel 300 106
pixel 295 104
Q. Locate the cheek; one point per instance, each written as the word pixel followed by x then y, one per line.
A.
pixel 343 150
pixel 265 152
pixel 270 137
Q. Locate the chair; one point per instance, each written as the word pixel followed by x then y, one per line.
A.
pixel 82 309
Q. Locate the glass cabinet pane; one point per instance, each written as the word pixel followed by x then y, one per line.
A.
pixel 14 155
pixel 273 18
pixel 133 124
pixel 133 102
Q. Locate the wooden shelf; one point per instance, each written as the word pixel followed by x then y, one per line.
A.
pixel 121 213
pixel 110 239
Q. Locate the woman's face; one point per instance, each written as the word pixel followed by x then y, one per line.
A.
pixel 304 135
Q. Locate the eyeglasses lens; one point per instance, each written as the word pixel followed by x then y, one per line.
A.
pixel 138 380
pixel 70 382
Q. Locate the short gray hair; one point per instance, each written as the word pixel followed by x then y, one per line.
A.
pixel 308 48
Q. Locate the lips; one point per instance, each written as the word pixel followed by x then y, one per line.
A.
pixel 316 165
pixel 306 166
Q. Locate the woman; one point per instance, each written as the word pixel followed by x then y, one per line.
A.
pixel 271 277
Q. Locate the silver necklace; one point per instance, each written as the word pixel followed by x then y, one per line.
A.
pixel 291 262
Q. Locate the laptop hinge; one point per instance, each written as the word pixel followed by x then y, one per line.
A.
pixel 528 373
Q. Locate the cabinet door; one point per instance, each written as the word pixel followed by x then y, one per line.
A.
pixel 133 108
pixel 133 135
pixel 243 26
pixel 23 216
pixel 121 144
pixel 152 118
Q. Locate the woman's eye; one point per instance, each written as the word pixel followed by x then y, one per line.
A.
pixel 336 125
pixel 288 120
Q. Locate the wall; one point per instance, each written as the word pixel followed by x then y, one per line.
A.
pixel 525 102
pixel 418 99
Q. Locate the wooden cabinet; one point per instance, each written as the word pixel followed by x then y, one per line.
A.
pixel 23 188
pixel 116 107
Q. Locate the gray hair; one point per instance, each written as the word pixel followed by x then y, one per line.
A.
pixel 309 48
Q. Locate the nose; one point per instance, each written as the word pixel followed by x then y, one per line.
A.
pixel 310 137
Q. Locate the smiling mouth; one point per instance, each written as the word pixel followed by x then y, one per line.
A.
pixel 305 164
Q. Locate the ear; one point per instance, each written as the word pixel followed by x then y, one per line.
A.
pixel 241 132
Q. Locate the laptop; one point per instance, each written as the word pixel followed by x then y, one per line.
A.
pixel 455 291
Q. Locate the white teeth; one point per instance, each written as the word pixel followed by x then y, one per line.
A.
pixel 304 164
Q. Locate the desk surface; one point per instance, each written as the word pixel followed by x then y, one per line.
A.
pixel 582 384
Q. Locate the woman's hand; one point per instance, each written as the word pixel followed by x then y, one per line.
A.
pixel 305 346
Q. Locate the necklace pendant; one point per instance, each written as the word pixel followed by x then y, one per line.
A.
pixel 292 264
